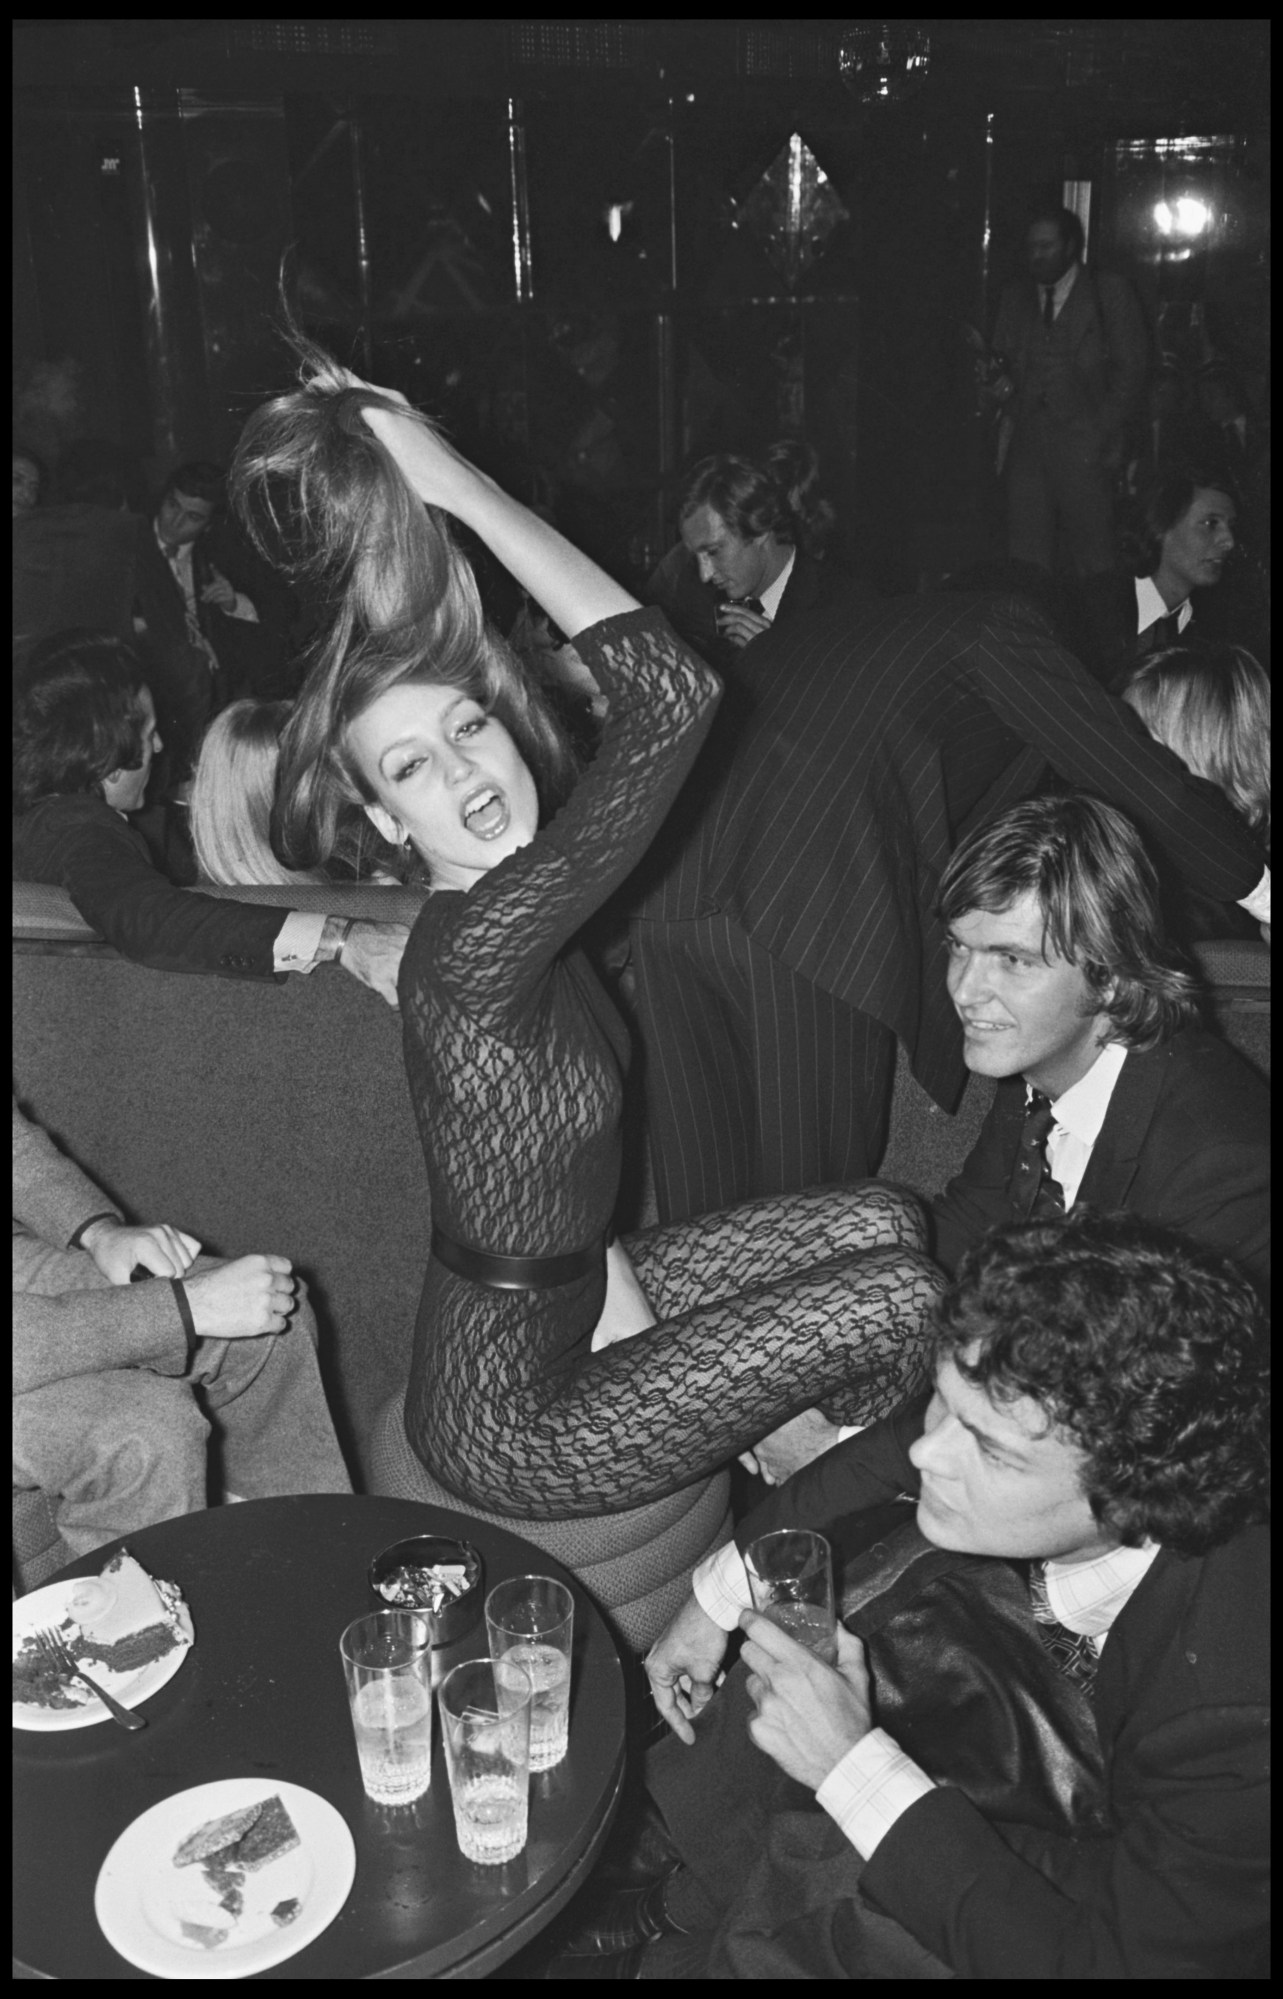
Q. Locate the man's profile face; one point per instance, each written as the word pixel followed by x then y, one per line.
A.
pixel 1022 1013
pixel 1195 549
pixel 997 1479
pixel 181 517
pixel 1047 253
pixel 724 558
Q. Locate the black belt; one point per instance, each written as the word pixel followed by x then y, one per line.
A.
pixel 517 1273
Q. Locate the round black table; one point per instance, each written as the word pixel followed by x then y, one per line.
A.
pixel 270 1585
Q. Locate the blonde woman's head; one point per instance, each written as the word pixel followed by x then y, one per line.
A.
pixel 1210 704
pixel 232 794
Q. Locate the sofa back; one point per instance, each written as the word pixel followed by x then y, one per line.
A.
pixel 276 1117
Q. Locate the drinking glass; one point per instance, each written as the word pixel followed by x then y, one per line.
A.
pixel 790 1574
pixel 387 1661
pixel 531 1623
pixel 485 1726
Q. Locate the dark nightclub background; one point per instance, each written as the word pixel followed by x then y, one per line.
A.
pixel 597 248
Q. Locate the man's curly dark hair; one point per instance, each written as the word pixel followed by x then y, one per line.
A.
pixel 1147 1351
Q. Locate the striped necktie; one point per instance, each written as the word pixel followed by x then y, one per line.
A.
pixel 1074 1656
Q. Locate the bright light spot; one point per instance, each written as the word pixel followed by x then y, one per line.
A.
pixel 1183 217
pixel 616 215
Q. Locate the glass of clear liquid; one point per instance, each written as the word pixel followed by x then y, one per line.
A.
pixel 485 1726
pixel 387 1662
pixel 790 1574
pixel 531 1621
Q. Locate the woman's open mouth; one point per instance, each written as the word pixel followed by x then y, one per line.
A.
pixel 485 813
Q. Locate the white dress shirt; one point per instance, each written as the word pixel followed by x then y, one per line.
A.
pixel 770 598
pixel 1150 607
pixel 1059 291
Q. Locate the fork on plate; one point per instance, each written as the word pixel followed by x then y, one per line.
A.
pixel 54 1648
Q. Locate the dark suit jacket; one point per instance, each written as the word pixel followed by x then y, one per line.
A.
pixel 824 808
pixel 1178 1886
pixel 691 606
pixel 81 845
pixel 187 693
pixel 1185 1142
pixel 1107 351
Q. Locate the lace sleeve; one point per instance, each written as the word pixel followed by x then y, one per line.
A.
pixel 492 946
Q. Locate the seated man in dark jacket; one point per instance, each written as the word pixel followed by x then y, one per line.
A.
pixel 1099 1415
pixel 84 737
pixel 1110 1094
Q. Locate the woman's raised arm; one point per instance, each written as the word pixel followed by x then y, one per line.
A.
pixel 568 585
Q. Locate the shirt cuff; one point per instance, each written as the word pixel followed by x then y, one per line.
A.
pixel 1257 904
pixel 868 1790
pixel 721 1587
pixel 243 608
pixel 297 942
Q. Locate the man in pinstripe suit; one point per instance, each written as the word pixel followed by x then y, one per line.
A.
pixel 783 931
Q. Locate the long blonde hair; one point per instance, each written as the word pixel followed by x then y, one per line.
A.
pixel 232 794
pixel 1210 704
pixel 324 500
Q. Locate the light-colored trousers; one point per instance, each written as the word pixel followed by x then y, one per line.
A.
pixel 123 1449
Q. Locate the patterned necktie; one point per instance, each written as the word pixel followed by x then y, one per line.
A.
pixel 1074 1655
pixel 1049 306
pixel 1038 1196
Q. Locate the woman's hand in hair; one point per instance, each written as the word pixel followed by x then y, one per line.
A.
pixel 432 469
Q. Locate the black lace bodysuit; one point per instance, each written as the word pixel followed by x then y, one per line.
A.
pixel 514 1055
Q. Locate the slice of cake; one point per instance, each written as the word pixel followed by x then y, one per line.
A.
pixel 216 1835
pixel 122 1619
pixel 271 1835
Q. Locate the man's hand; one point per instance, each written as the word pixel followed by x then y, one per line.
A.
pixel 790 1447
pixel 218 592
pixel 739 625
pixel 242 1300
pixel 118 1249
pixel 808 1714
pixel 372 952
pixel 682 1666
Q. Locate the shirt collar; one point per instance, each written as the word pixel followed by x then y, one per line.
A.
pixel 1086 1597
pixel 1150 606
pixel 770 599
pixel 1083 1107
pixel 1063 286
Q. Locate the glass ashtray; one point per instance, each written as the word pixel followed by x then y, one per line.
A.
pixel 439 1577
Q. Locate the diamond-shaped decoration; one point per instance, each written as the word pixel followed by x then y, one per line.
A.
pixel 793 210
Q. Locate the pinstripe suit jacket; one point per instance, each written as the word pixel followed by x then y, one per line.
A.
pixel 863 742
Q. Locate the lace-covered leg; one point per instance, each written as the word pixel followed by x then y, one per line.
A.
pixel 682 1265
pixel 787 1303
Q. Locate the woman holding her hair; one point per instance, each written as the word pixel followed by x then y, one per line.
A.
pixel 556 1377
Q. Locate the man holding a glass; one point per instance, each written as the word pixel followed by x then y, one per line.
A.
pixel 1098 1432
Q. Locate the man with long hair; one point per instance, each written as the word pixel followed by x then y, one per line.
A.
pixel 1070 992
pixel 1098 1438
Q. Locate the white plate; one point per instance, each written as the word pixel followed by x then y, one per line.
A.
pixel 49 1606
pixel 141 1897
